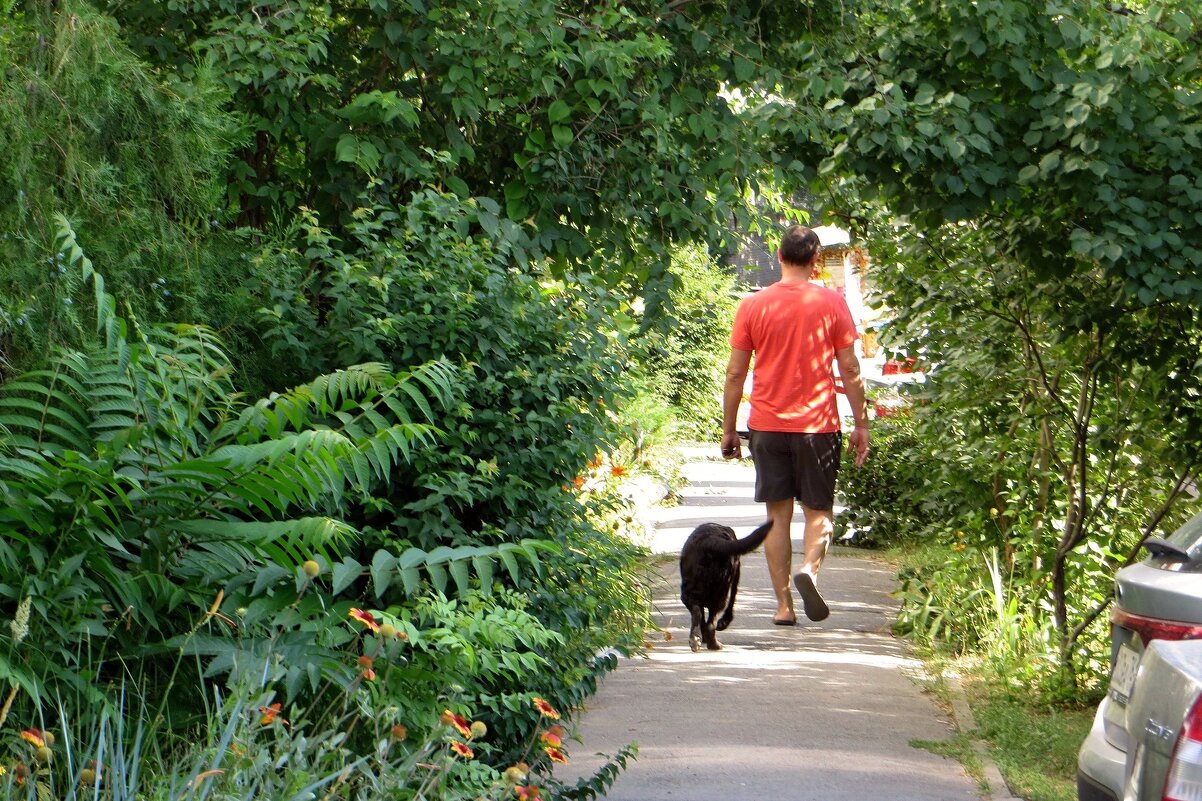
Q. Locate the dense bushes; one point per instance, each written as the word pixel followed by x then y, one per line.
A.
pixel 144 492
pixel 896 495
pixel 135 158
pixel 682 359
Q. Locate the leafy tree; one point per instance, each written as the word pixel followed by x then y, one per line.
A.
pixel 1071 427
pixel 606 131
pixel 1073 126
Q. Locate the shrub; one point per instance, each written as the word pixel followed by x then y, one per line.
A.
pixel 891 498
pixel 543 369
pixel 684 357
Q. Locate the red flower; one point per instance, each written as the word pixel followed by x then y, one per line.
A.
pixel 556 755
pixel 365 618
pixel 458 722
pixel 545 709
pixel 461 749
pixel 269 715
pixel 528 792
pixel 550 739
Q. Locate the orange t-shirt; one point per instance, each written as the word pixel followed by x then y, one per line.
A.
pixel 793 331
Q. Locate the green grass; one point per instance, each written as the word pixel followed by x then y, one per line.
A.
pixel 1035 746
pixel 1033 742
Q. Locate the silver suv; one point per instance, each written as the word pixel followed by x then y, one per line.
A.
pixel 1159 598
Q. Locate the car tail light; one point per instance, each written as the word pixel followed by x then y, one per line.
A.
pixel 1150 628
pixel 1184 782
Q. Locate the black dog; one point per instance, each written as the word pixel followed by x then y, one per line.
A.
pixel 709 577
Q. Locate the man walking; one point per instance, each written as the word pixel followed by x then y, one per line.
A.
pixel 797 330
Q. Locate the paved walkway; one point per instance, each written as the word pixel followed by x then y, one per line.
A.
pixel 822 711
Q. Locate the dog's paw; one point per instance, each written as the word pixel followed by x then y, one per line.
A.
pixel 695 643
pixel 714 645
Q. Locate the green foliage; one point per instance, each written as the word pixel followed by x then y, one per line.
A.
pixel 135 158
pixel 349 743
pixel 1035 745
pixel 1074 128
pixel 604 129
pixel 541 364
pixel 684 357
pixel 898 494
pixel 1068 452
pixel 135 488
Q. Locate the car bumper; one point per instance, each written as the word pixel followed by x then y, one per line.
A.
pixel 1100 766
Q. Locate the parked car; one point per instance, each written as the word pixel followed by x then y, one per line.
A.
pixel 1164 720
pixel 1158 599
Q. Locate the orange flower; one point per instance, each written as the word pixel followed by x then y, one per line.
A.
pixel 550 739
pixel 556 755
pixel 617 470
pixel 461 749
pixel 269 715
pixel 33 737
pixel 557 730
pixel 457 722
pixel 545 709
pixel 578 481
pixel 595 462
pixel 368 675
pixel 528 792
pixel 399 732
pixel 365 618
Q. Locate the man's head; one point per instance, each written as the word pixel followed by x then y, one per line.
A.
pixel 798 247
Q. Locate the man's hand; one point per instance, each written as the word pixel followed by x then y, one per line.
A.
pixel 731 447
pixel 858 444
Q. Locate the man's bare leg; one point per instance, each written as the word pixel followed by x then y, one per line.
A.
pixel 819 528
pixel 778 550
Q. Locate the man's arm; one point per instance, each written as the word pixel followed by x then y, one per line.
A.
pixel 853 384
pixel 732 396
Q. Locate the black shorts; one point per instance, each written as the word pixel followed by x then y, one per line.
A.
pixel 792 465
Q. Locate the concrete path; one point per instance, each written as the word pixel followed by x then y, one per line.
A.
pixel 822 711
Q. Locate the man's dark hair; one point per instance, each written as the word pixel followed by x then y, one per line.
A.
pixel 799 245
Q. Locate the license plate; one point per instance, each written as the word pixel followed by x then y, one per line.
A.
pixel 1122 681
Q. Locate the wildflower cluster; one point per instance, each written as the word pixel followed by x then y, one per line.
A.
pixel 35 759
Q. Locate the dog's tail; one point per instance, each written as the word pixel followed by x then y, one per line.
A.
pixel 740 547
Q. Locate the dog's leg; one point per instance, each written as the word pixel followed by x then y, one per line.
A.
pixel 698 625
pixel 711 636
pixel 728 614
